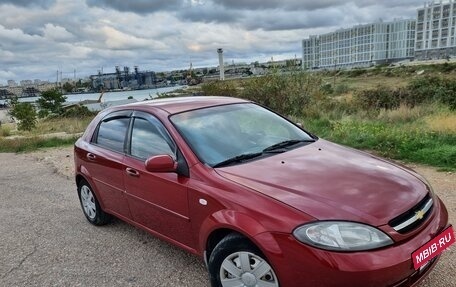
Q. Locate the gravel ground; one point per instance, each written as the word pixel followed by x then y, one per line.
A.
pixel 59 248
pixel 46 240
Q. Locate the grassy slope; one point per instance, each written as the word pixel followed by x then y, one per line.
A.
pixel 424 134
pixel 12 140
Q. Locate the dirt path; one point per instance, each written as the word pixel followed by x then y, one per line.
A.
pixel 444 184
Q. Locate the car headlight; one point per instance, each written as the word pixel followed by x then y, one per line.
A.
pixel 341 236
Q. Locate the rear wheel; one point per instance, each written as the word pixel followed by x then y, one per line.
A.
pixel 235 261
pixel 90 206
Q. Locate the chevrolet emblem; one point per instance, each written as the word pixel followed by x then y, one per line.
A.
pixel 419 214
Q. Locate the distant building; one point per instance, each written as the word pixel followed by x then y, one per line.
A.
pixel 361 45
pixel 12 83
pixel 5 94
pixel 26 83
pixel 123 79
pixel 45 86
pixel 435 31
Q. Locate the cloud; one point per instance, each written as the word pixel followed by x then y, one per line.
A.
pixel 37 38
pixel 280 20
pixel 269 19
pixel 57 33
pixel 15 37
pixel 271 15
pixel 278 4
pixel 307 5
pixel 210 14
pixel 118 40
pixel 6 74
pixel 137 6
pixel 28 3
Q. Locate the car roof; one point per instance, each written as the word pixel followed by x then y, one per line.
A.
pixel 182 104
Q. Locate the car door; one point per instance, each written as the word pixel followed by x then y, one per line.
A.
pixel 104 162
pixel 158 201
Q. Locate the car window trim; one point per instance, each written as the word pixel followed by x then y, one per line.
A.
pixel 182 168
pixel 109 117
pixel 152 120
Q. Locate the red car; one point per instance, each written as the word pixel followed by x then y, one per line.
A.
pixel 262 201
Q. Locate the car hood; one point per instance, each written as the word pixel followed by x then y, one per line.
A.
pixel 331 182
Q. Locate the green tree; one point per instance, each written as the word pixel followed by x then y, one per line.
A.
pixel 25 113
pixel 50 102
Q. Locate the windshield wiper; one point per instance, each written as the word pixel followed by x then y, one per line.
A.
pixel 285 144
pixel 238 158
pixel 274 148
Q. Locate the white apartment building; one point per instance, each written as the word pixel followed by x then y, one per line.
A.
pixel 26 83
pixel 435 31
pixel 361 45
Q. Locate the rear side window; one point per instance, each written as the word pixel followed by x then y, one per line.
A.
pixel 111 134
pixel 149 139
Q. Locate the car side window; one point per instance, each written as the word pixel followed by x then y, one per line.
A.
pixel 112 132
pixel 149 139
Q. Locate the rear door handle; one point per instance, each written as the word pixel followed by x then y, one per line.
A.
pixel 132 172
pixel 91 156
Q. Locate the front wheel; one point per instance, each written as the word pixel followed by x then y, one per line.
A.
pixel 237 262
pixel 90 205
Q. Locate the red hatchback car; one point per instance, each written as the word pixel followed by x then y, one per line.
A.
pixel 262 201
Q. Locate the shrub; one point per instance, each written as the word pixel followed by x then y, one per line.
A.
pixel 380 98
pixel 50 102
pixel 426 90
pixel 288 94
pixel 25 113
pixel 77 112
pixel 431 89
pixel 220 88
pixel 341 89
pixel 447 67
pixel 448 96
pixel 327 88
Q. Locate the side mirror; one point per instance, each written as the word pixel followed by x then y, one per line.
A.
pixel 299 125
pixel 161 163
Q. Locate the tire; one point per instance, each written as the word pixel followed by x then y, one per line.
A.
pixel 237 259
pixel 90 206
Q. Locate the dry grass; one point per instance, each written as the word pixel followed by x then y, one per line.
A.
pixel 5 130
pixel 403 114
pixel 67 125
pixel 443 123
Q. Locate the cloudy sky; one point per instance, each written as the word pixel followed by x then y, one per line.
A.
pixel 39 37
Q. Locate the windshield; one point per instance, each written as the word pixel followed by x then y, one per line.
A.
pixel 230 133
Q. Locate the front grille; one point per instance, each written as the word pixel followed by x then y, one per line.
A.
pixel 414 217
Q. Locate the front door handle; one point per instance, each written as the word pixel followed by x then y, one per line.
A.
pixel 132 172
pixel 91 156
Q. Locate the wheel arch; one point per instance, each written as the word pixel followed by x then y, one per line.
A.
pixel 227 222
pixel 79 177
